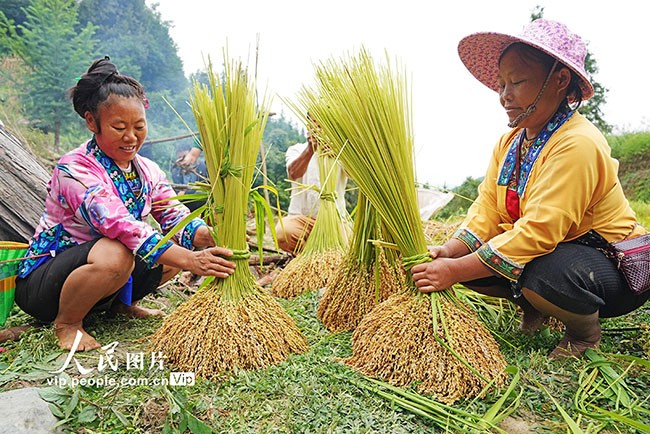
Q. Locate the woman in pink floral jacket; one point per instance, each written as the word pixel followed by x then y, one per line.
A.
pixel 93 248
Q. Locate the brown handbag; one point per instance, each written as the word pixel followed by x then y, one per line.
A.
pixel 632 256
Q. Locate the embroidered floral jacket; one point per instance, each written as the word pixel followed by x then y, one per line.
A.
pixel 89 197
pixel 566 188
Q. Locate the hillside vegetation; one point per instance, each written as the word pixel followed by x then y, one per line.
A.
pixel 632 150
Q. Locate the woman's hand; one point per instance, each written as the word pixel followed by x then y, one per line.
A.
pixel 211 262
pixel 437 252
pixel 435 275
pixel 443 272
pixel 203 238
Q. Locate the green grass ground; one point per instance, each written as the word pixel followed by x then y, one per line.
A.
pixel 308 393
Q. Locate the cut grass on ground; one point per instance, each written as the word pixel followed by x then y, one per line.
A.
pixel 311 392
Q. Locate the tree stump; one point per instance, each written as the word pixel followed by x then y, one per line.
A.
pixel 23 187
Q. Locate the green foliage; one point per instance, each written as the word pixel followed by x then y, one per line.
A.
pixel 592 109
pixel 642 211
pixel 137 40
pixel 311 392
pixel 14 12
pixel 633 152
pixel 55 53
pixel 630 147
pixel 465 194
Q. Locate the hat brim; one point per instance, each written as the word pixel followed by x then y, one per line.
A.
pixel 480 52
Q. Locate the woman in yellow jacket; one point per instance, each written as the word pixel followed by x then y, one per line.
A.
pixel 551 193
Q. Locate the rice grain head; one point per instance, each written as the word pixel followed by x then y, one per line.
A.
pixel 226 336
pixel 395 342
pixel 307 272
pixel 356 290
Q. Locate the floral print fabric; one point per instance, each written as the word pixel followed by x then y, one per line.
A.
pixel 89 197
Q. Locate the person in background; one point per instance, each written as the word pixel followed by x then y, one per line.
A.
pixel 191 157
pixel 104 253
pixel 550 195
pixel 184 174
pixel 181 175
pixel 302 168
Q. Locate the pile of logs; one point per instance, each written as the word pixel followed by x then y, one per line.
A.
pixel 23 182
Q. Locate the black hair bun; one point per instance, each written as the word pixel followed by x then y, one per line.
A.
pixel 103 67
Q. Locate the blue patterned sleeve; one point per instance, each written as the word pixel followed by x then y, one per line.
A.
pixel 187 235
pixel 147 250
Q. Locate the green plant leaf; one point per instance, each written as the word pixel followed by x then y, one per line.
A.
pixel 494 415
pixel 72 404
pixel 623 419
pixel 87 414
pixel 54 394
pixel 121 416
pixel 573 426
pixel 56 411
pixel 197 426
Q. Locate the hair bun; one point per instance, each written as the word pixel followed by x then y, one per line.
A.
pixel 103 67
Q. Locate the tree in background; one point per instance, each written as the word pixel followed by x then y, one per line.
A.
pixel 590 109
pixel 465 194
pixel 13 10
pixel 55 53
pixel 137 40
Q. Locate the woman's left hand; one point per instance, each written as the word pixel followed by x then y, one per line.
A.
pixel 203 238
pixel 433 276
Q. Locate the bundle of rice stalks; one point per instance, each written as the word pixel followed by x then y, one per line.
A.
pixel 432 340
pixel 325 247
pixel 231 323
pixel 368 275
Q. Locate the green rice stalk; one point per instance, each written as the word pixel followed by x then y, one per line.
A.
pixel 363 112
pixel 600 382
pixel 634 359
pixel 450 418
pixel 634 423
pixel 572 425
pixel 325 247
pixel 231 323
pixel 368 275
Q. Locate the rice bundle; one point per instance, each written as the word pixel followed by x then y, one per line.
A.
pixel 431 340
pixel 319 261
pixel 231 323
pixel 368 275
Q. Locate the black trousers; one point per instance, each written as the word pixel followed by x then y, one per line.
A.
pixel 576 278
pixel 39 292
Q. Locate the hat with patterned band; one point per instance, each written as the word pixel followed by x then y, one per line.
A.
pixel 481 52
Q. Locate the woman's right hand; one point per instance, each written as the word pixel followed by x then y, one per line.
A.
pixel 211 262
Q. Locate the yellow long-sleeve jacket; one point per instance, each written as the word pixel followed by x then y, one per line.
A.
pixel 572 187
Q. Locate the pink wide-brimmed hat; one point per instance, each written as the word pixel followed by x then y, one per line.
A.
pixel 481 52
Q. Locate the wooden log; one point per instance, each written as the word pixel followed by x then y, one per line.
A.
pixel 23 187
pixel 277 260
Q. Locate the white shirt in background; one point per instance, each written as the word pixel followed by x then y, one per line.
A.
pixel 305 201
